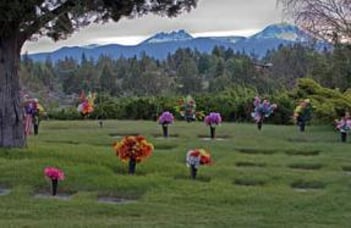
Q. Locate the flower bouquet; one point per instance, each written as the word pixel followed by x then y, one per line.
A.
pixel 302 113
pixel 262 110
pixel 213 120
pixel 87 104
pixel 195 158
pixel 187 109
pixel 54 175
pixel 165 119
pixel 343 125
pixel 133 149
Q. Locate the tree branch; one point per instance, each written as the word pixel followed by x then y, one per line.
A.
pixel 46 18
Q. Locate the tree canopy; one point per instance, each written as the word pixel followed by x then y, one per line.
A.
pixel 59 18
pixel 327 19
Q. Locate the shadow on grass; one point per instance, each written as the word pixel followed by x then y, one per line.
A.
pixel 165 146
pixel 305 166
pixel 256 151
pixel 62 142
pixel 249 164
pixel 346 168
pixel 199 178
pixel 249 182
pixel 303 152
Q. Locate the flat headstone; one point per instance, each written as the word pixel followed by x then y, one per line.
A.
pixel 59 196
pixel 4 191
pixel 115 200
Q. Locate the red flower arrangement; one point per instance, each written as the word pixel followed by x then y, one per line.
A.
pixel 195 158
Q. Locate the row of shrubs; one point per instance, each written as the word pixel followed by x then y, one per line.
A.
pixel 235 104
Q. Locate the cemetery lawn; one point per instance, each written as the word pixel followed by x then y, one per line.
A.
pixel 277 177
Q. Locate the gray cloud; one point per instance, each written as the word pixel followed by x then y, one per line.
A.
pixel 209 16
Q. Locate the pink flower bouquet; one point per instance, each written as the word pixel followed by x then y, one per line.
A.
pixel 165 119
pixel 54 175
pixel 213 120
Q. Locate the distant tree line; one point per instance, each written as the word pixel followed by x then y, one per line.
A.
pixel 225 81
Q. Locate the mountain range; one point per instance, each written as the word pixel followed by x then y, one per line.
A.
pixel 162 44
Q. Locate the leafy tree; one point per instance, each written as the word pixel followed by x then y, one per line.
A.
pixel 328 19
pixel 25 19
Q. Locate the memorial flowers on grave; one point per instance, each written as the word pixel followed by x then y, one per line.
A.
pixel 165 119
pixel 186 107
pixel 86 105
pixel 302 114
pixel 195 158
pixel 262 109
pixel 213 120
pixel 133 149
pixel 55 175
pixel 344 126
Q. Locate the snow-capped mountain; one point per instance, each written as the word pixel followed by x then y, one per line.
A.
pixel 173 36
pixel 283 32
pixel 162 44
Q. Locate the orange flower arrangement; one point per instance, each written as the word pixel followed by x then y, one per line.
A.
pixel 133 148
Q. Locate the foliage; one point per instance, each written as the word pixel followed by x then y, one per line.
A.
pixel 328 104
pixel 329 20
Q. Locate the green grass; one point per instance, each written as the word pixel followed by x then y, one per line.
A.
pixel 255 180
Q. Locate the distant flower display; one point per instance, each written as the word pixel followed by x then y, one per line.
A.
pixel 197 157
pixel 166 118
pixel 262 109
pixel 133 148
pixel 213 119
pixel 87 103
pixel 54 173
pixel 187 108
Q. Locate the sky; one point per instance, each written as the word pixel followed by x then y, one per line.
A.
pixel 209 18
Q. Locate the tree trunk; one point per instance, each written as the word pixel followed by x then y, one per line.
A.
pixel 11 112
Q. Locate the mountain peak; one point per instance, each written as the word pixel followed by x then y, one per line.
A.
pixel 162 37
pixel 282 31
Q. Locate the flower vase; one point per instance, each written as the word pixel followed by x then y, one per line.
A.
pixel 193 171
pixel 343 136
pixel 132 166
pixel 259 125
pixel 165 130
pixel 302 126
pixel 213 132
pixel 54 183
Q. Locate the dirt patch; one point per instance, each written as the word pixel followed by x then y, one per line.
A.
pixel 199 177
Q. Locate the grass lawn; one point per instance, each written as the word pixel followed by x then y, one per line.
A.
pixel 277 177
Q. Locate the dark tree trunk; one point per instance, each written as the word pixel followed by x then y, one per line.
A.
pixel 11 113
